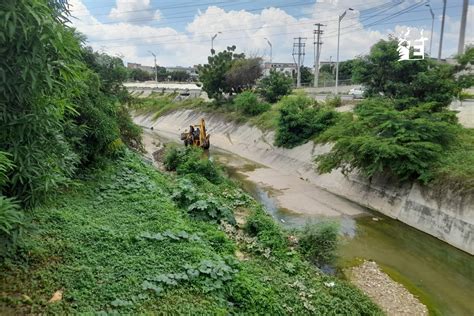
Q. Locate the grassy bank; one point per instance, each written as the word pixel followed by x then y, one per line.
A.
pixel 123 241
pixel 452 167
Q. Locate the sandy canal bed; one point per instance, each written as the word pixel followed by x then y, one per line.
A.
pixel 290 190
pixel 298 195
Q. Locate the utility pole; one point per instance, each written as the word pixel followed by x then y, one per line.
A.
pixel 432 26
pixel 462 32
pixel 442 31
pixel 337 55
pixel 271 48
pixel 317 52
pixel 156 68
pixel 212 42
pixel 298 50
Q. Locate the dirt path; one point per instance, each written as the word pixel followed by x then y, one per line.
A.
pixel 392 297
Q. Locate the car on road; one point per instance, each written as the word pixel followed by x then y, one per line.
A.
pixel 357 93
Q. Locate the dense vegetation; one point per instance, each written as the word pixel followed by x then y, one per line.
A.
pixel 132 240
pixel 60 107
pixel 275 86
pixel 404 129
pixel 248 103
pixel 301 118
pixel 379 139
pixel 228 73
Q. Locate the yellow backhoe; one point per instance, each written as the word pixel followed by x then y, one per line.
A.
pixel 196 136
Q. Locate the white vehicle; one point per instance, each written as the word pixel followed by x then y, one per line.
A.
pixel 357 93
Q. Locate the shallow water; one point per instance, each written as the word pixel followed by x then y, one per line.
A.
pixel 439 274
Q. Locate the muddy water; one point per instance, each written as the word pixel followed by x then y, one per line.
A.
pixel 439 274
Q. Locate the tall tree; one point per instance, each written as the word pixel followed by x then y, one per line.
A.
pixel 243 73
pixel 423 80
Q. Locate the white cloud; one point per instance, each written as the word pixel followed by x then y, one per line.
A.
pixel 244 29
pixel 134 11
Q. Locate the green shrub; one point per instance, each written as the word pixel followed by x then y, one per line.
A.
pixel 301 119
pixel 333 101
pixel 381 139
pixel 189 195
pixel 274 86
pixel 248 103
pixel 11 222
pixel 58 100
pixel 261 225
pixel 455 169
pixel 318 242
pixel 130 133
pixel 173 158
pixel 203 167
pixel 11 217
pixel 190 160
pixel 5 166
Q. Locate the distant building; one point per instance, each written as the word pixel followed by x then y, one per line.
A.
pixel 321 63
pixel 287 68
pixel 192 71
pixel 149 69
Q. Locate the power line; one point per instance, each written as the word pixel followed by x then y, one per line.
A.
pixel 240 29
pixel 190 16
pixel 183 5
pixel 259 36
pixel 389 17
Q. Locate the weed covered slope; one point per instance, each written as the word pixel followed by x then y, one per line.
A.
pixel 127 241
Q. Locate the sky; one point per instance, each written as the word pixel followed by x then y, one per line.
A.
pixel 179 32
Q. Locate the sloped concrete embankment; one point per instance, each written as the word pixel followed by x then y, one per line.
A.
pixel 436 211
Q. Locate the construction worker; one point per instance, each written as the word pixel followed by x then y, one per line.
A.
pixel 191 133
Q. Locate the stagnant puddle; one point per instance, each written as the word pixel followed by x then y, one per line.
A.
pixel 439 274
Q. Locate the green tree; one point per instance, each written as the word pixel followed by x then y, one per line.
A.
pixel 382 139
pixel 274 86
pixel 300 119
pixel 179 75
pixel 307 75
pixel 346 69
pixel 243 74
pixel 213 74
pixel 465 67
pixel 162 74
pixel 54 95
pixel 327 68
pixel 138 74
pixel 38 64
pixel 413 80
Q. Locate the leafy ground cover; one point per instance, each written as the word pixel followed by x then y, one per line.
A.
pixel 130 239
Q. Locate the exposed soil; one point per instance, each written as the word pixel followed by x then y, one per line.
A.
pixel 392 297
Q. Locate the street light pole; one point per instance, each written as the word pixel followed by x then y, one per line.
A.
pixel 156 68
pixel 212 41
pixel 337 55
pixel 271 49
pixel 432 26
pixel 442 32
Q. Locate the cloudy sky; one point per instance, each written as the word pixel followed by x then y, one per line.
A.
pixel 180 31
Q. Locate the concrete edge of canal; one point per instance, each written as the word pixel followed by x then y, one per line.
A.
pixel 439 212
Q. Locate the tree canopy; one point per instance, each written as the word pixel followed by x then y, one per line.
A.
pixel 423 80
pixel 228 72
